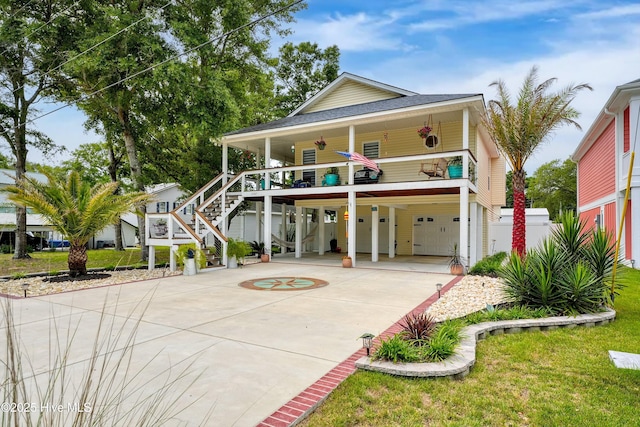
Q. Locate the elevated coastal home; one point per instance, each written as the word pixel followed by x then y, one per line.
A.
pixel 603 158
pixel 416 204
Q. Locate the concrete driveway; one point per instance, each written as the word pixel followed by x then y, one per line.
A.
pixel 253 350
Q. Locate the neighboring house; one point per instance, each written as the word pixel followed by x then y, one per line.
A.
pixel 38 231
pixel 539 226
pixel 165 199
pixel 603 158
pixel 415 207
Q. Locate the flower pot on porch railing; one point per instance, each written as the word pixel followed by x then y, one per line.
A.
pixel 454 167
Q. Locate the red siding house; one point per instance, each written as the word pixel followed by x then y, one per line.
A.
pixel 603 158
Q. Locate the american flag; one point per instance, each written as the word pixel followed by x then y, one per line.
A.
pixel 359 158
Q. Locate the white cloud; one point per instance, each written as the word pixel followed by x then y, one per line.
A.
pixel 357 32
pixel 613 12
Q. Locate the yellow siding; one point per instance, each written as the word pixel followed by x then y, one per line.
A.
pixel 498 181
pixel 350 93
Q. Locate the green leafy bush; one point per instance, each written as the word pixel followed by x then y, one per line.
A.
pixel 488 266
pixel 5 249
pixel 396 349
pixel 441 344
pixel 568 274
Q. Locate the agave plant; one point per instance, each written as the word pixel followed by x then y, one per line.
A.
pixel 567 274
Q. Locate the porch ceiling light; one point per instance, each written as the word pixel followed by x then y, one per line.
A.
pixel 367 340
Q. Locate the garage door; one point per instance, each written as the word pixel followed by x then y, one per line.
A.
pixel 435 235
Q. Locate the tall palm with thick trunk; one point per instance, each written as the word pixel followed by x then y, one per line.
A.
pixel 75 209
pixel 519 128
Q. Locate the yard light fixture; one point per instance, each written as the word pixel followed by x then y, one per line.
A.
pixel 25 286
pixel 367 339
pixel 439 288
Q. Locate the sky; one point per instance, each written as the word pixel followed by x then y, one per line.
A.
pixel 452 46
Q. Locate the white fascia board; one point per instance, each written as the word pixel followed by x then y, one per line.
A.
pixel 352 120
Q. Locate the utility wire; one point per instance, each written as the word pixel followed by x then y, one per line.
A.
pixel 95 45
pixel 21 9
pixel 151 67
pixel 43 25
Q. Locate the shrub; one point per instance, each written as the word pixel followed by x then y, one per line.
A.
pixel 5 249
pixel 396 349
pixel 19 275
pixel 567 274
pixel 417 327
pixel 489 266
pixel 441 346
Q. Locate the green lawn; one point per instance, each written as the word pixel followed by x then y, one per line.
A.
pixel 47 261
pixel 556 378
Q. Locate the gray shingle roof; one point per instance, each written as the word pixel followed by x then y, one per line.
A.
pixel 352 111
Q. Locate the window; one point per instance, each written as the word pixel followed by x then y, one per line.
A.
pixel 309 158
pixel 371 150
pixel 162 207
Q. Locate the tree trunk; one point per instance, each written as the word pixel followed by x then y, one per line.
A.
pixel 518 236
pixel 136 177
pixel 77 260
pixel 118 230
pixel 20 152
pixel 113 174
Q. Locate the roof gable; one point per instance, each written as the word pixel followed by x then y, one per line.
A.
pixel 347 90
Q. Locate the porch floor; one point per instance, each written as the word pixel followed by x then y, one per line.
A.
pixel 426 264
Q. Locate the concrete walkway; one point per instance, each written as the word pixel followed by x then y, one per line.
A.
pixel 254 350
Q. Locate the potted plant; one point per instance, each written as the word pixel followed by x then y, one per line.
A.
pixel 455 262
pixel 320 143
pixel 236 251
pixel 187 252
pixel 424 131
pixel 331 177
pixel 347 262
pixel 454 167
pixel 260 250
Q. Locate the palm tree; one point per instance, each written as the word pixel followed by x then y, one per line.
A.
pixel 75 209
pixel 519 128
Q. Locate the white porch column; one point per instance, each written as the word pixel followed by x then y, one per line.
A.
pixel 243 227
pixel 353 218
pixel 352 148
pixel 267 224
pixel 321 230
pixel 267 163
pixel 259 221
pixel 473 233
pixel 392 232
pixel 283 225
pixel 172 257
pixel 298 232
pixel 465 142
pixel 375 225
pixel 463 247
pixel 152 257
pixel 225 164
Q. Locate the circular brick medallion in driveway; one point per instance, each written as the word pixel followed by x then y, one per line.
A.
pixel 283 283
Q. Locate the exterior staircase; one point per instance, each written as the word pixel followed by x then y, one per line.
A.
pixel 212 205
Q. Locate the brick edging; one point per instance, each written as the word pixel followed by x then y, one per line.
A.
pixel 298 408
